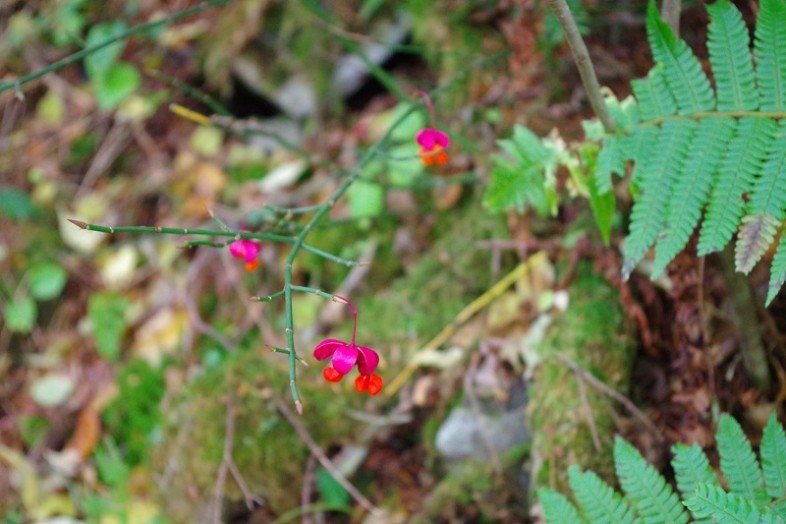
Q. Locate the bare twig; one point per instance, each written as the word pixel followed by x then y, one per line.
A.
pixel 584 63
pixel 594 382
pixel 324 460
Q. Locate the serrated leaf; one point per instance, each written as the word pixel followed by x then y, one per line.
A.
pixel 653 499
pixel 738 462
pixel 773 458
pixel 557 509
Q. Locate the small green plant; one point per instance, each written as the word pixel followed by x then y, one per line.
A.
pixel 695 149
pixel 756 490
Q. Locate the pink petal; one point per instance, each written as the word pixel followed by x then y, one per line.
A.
pixel 237 249
pixel 252 250
pixel 368 360
pixel 344 358
pixel 430 137
pixel 425 138
pixel 326 348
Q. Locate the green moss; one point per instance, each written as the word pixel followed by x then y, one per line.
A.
pixel 266 449
pixel 595 334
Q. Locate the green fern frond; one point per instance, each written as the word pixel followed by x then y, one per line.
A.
pixel 653 498
pixel 743 160
pixel 770 44
pixel 777 271
pixel 654 175
pixel 692 187
pixel 768 194
pixel 727 508
pixel 598 501
pixel 520 183
pixel 611 159
pixel 653 95
pixel 557 509
pixel 738 462
pixel 691 468
pixel 682 69
pixel 779 508
pixel 728 43
pixel 773 458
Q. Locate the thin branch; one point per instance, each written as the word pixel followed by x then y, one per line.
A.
pixel 598 384
pixel 324 460
pixel 131 31
pixel 584 63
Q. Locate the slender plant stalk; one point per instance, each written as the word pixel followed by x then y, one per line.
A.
pixel 584 63
pixel 234 235
pixel 131 31
pixel 670 12
pixel 298 244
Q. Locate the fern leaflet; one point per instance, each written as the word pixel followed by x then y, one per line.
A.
pixel 691 188
pixel 557 508
pixel 727 508
pixel 744 157
pixel 728 42
pixel 691 468
pixel 654 176
pixel 738 462
pixel 687 81
pixel 654 500
pixel 777 270
pixel 598 501
pixel 773 458
pixel 770 40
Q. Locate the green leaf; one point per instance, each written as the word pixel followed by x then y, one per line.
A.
pixel 16 204
pixel 691 468
pixel 692 187
pixel 557 509
pixel 773 458
pixel 20 314
pixel 46 280
pixel 365 199
pixel 598 501
pixel 727 508
pixel 331 491
pixel 738 462
pixel 106 311
pixel 728 43
pixel 744 157
pixel 777 271
pixel 655 175
pixel 647 490
pixel 119 82
pixel 770 57
pixel 98 63
pixel 523 178
pixel 684 75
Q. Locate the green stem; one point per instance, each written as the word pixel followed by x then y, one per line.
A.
pixel 131 31
pixel 583 63
pixel 235 235
pixel 334 298
pixel 299 242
